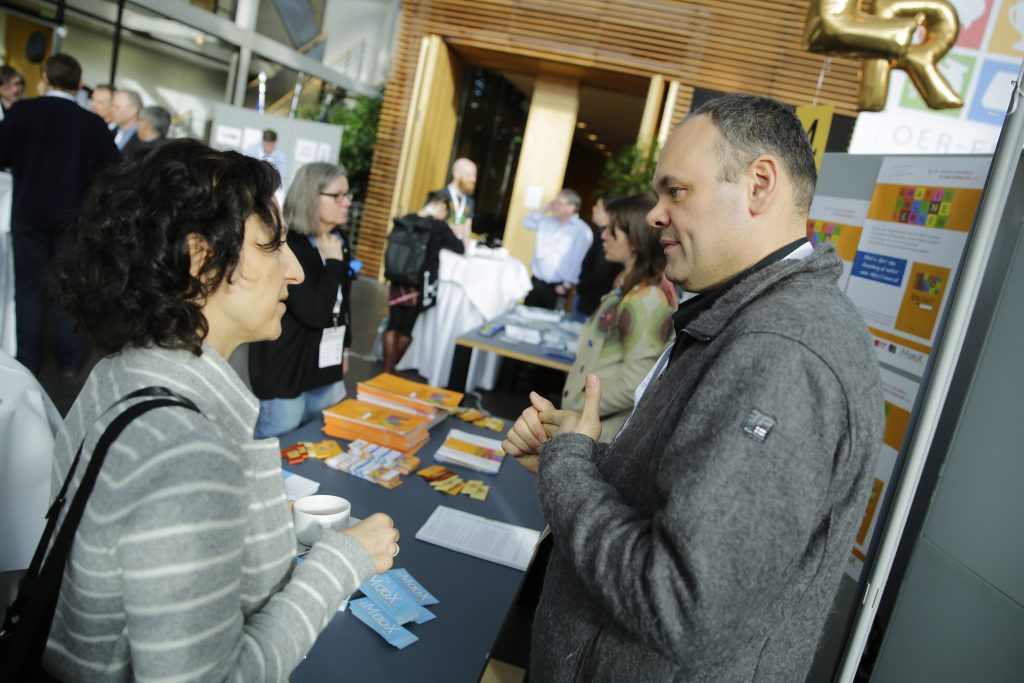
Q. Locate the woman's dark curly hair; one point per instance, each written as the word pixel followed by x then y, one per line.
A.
pixel 124 269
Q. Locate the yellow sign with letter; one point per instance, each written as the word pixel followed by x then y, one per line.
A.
pixel 817 122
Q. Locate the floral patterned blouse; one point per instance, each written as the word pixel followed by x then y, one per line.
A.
pixel 620 343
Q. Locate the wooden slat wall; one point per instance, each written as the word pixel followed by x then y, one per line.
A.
pixel 725 45
pixel 683 102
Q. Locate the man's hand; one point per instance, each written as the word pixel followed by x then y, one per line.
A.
pixel 541 421
pixel 560 290
pixel 587 423
pixel 344 362
pixel 528 434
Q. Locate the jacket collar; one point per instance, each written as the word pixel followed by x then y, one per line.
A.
pixel 822 262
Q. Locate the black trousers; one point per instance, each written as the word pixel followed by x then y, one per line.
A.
pixel 543 294
pixel 35 299
pixel 402 319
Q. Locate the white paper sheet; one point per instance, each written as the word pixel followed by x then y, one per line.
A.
pixel 480 537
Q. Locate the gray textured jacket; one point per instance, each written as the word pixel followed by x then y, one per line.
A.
pixel 706 543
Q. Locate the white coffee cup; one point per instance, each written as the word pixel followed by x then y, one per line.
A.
pixel 313 514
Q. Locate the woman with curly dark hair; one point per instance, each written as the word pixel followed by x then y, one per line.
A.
pixel 183 564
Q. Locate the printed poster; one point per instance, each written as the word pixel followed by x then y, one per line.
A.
pixel 838 221
pixel 907 256
pixel 899 393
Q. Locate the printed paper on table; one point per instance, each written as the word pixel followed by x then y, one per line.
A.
pixel 487 539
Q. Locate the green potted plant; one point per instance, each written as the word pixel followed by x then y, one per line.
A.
pixel 629 171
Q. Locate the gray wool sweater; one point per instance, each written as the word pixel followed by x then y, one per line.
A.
pixel 183 567
pixel 706 542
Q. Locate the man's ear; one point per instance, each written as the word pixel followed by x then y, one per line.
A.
pixel 765 176
pixel 198 252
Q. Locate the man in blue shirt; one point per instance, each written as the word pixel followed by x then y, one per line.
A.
pixel 124 111
pixel 563 239
pixel 267 150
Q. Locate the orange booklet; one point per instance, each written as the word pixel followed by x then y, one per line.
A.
pixel 360 414
pixel 469 450
pixel 417 395
pixel 350 432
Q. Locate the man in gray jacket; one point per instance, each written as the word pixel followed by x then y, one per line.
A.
pixel 706 542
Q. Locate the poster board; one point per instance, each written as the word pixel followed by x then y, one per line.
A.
pixel 841 212
pixel 301 141
pixel 900 225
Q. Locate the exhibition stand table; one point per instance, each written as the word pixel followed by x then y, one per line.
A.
pixel 531 335
pixel 474 594
pixel 471 290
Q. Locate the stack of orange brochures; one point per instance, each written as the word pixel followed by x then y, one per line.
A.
pixel 416 398
pixel 352 419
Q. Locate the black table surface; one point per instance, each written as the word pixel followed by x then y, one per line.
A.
pixel 475 595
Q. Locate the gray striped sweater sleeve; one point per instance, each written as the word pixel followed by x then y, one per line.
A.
pixel 183 566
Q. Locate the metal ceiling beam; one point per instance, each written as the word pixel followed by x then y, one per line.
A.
pixel 247 38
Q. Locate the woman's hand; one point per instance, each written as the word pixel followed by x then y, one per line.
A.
pixel 378 535
pixel 329 246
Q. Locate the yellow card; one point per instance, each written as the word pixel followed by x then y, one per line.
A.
pixel 481 493
pixel 446 484
pixel 471 487
pixel 493 423
pixel 326 449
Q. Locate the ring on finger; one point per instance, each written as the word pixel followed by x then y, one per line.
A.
pixel 395 554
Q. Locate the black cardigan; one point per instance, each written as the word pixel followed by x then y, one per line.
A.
pixel 289 365
pixel 53 148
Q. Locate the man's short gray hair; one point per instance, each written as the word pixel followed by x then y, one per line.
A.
pixel 302 203
pixel 133 98
pixel 752 125
pixel 158 119
pixel 571 197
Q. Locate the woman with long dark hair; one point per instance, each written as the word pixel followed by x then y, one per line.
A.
pixel 630 328
pixel 183 565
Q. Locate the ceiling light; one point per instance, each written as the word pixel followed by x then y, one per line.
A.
pixel 581 125
pixel 592 137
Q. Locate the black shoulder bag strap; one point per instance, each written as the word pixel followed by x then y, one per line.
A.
pixel 26 627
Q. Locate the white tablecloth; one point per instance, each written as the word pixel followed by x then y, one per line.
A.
pixel 471 291
pixel 7 338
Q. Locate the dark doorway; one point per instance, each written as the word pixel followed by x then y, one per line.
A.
pixel 492 117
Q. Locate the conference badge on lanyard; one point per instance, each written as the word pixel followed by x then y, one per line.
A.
pixel 332 344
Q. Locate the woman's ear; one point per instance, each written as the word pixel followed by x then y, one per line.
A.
pixel 198 252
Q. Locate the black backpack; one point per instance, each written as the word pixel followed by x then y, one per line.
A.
pixel 406 254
